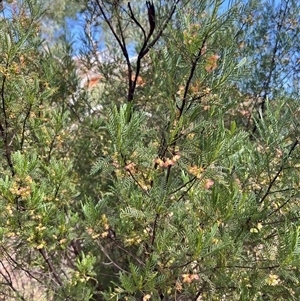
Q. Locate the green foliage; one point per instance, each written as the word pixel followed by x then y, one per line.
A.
pixel 175 178
pixel 38 190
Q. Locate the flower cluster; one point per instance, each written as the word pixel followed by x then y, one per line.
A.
pixel 196 171
pixel 21 188
pixel 165 163
pixel 211 63
pixel 273 280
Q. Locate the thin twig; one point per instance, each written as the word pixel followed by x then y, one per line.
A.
pixel 19 265
pixel 136 21
pixel 193 69
pixel 111 261
pixel 4 129
pixel 138 183
pixel 129 253
pixel 24 127
pixel 280 207
pixel 278 172
pixel 154 229
pixel 51 267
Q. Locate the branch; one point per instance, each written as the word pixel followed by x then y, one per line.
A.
pixel 24 126
pixel 252 267
pixel 18 265
pixel 293 219
pixel 198 295
pixel 8 280
pixel 5 275
pixel 186 191
pixel 146 45
pixel 129 66
pixel 111 261
pixel 185 184
pixel 154 229
pixel 137 182
pixel 4 129
pixel 136 21
pixel 3 99
pixel 51 146
pixel 51 267
pixel 193 69
pixel 278 172
pixel 151 17
pixel 280 207
pixel 163 27
pixel 108 22
pixel 129 253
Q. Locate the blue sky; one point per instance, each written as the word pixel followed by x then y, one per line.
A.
pixel 76 30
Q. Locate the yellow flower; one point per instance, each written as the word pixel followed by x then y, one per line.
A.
pixel 11 234
pixel 259 226
pixel 214 241
pixel 273 280
pixel 62 241
pixel 103 235
pixel 146 297
pixel 41 245
pixel 9 209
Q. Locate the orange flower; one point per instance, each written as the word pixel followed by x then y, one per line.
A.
pixel 188 278
pixel 159 162
pixel 167 162
pixel 211 63
pixel 209 183
pixel 196 171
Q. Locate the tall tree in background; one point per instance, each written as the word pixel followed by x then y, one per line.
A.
pixel 270 42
